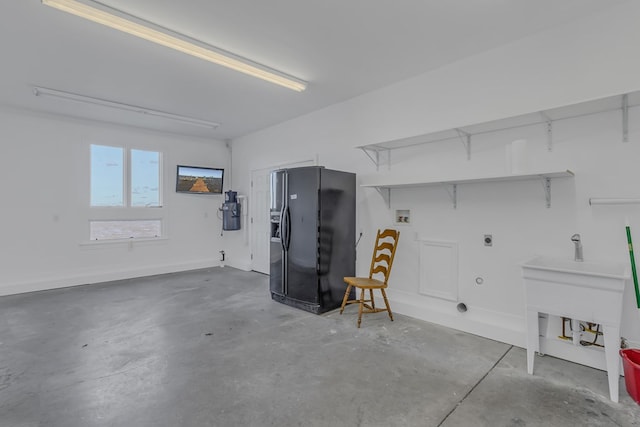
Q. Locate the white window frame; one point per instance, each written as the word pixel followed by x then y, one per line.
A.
pixel 127 212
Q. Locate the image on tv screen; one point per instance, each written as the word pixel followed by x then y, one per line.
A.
pixel 199 180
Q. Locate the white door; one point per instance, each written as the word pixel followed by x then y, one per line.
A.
pixel 260 221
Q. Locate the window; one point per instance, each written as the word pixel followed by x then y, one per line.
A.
pixel 127 229
pixel 125 183
pixel 107 176
pixel 145 178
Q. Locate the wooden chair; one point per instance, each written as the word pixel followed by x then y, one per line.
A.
pixel 381 262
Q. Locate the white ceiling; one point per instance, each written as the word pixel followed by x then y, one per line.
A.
pixel 342 48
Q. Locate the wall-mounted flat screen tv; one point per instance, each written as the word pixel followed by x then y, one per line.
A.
pixel 199 180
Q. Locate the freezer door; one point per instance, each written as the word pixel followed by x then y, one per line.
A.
pixel 277 268
pixel 302 234
pixel 277 190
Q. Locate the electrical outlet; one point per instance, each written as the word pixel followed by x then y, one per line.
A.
pixel 488 240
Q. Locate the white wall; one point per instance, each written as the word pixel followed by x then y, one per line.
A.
pixel 44 171
pixel 584 60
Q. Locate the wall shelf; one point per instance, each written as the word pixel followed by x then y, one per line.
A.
pixel 451 185
pixel 380 153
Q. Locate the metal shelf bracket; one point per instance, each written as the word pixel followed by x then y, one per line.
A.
pixel 546 186
pixel 378 156
pixel 465 138
pixel 549 123
pixel 385 193
pixel 453 195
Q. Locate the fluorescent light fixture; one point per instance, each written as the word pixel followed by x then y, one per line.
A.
pixel 118 20
pixel 42 91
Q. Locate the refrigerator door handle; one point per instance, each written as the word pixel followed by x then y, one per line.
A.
pixel 283 233
pixel 288 228
pixel 283 213
pixel 282 228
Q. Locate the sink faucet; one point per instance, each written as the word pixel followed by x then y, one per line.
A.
pixel 576 240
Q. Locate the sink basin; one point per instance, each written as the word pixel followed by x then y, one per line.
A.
pixel 586 291
pixel 589 268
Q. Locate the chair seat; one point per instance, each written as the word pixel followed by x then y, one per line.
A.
pixel 365 283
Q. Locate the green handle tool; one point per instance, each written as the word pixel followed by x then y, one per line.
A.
pixel 633 265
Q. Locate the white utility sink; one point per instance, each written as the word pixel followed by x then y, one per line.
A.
pixel 587 268
pixel 583 291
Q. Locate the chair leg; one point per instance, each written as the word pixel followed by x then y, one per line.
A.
pixel 386 302
pixel 346 297
pixel 373 303
pixel 360 307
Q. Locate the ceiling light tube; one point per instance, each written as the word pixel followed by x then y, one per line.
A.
pixel 121 21
pixel 42 91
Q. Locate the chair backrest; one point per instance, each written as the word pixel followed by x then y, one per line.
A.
pixel 383 253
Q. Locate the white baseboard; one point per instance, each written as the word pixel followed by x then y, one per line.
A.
pixel 64 281
pixel 497 326
pixel 244 265
pixel 494 325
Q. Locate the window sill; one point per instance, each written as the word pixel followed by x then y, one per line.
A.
pixel 123 242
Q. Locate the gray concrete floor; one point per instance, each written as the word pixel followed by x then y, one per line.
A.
pixel 209 348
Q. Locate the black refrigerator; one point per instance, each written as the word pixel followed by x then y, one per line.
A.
pixel 313 234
